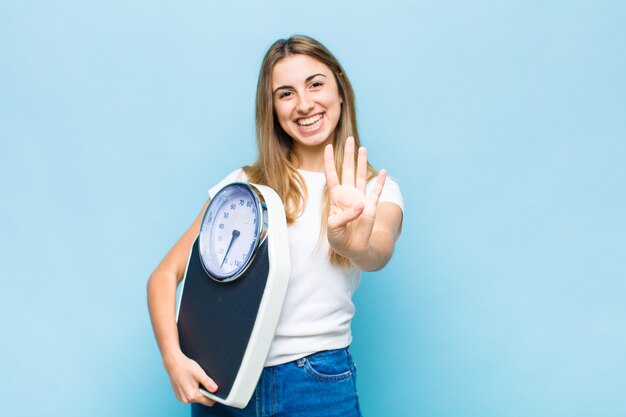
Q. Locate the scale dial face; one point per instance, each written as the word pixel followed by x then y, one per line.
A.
pixel 231 231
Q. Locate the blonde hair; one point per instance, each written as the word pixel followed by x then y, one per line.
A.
pixel 276 164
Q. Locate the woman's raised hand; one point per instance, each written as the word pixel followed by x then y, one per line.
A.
pixel 352 213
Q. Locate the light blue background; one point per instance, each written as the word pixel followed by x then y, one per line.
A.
pixel 504 123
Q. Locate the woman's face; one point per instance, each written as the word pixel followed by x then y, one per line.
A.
pixel 306 100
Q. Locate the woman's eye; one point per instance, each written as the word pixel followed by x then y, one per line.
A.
pixel 317 84
pixel 284 94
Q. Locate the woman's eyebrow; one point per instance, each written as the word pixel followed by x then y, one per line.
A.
pixel 309 78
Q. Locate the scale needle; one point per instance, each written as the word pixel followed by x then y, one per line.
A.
pixel 232 239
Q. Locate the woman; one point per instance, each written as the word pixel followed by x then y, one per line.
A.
pixel 342 219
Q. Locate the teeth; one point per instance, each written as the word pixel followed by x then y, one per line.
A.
pixel 309 121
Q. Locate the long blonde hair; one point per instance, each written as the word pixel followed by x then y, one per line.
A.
pixel 276 164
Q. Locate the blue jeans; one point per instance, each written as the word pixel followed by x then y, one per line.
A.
pixel 322 384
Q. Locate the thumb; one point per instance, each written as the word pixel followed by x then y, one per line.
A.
pixel 207 382
pixel 343 218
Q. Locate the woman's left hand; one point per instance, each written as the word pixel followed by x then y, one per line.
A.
pixel 352 213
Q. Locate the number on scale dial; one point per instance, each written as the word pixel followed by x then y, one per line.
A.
pixel 230 231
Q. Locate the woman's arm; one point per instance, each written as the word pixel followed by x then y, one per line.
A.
pixel 185 374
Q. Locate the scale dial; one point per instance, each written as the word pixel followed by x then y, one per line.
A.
pixel 233 227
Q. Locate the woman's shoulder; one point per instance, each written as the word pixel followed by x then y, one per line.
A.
pixel 234 176
pixel 391 191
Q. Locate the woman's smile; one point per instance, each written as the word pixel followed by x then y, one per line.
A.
pixel 310 124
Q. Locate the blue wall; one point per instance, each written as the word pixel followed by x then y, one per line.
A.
pixel 504 123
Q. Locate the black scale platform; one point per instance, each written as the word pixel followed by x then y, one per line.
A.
pixel 215 319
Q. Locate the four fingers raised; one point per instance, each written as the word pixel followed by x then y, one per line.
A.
pixel 347 177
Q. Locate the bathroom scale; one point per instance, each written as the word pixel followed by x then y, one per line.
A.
pixel 233 290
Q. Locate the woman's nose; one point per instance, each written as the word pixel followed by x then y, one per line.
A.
pixel 305 104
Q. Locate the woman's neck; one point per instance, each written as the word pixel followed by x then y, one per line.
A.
pixel 312 164
pixel 310 158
